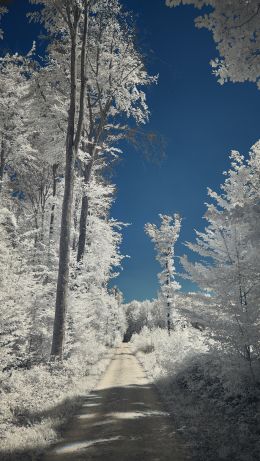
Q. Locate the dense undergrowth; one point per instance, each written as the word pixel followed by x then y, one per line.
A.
pixel 37 402
pixel 213 401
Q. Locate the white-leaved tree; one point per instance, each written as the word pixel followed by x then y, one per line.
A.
pixel 11 322
pixel 164 239
pixel 92 303
pixel 229 249
pixel 14 74
pixel 67 22
pixel 115 92
pixel 235 27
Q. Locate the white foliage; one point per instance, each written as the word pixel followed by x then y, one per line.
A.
pixel 229 248
pixel 236 31
pixel 168 355
pixel 164 239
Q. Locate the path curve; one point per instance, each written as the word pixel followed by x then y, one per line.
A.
pixel 122 420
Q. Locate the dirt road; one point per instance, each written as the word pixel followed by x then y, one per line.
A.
pixel 122 420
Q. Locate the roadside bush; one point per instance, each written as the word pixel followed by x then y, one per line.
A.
pixel 212 399
pixel 35 402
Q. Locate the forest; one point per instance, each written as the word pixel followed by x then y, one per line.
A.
pixel 68 111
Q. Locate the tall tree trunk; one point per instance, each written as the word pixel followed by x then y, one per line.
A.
pixel 75 223
pixel 64 256
pixel 36 235
pixel 42 224
pixel 83 227
pixel 64 252
pixel 2 164
pixel 92 150
pixel 84 213
pixel 168 279
pixel 72 145
pixel 54 192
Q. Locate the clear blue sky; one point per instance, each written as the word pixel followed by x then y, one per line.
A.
pixel 200 120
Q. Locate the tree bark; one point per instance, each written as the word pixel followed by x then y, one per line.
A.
pixel 84 214
pixel 87 173
pixel 83 227
pixel 2 164
pixel 168 278
pixel 54 191
pixel 75 223
pixel 64 256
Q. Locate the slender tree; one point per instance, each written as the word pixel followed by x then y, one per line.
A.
pixel 164 239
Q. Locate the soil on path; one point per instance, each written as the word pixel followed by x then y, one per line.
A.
pixel 122 420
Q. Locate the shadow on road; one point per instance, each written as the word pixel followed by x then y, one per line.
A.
pixel 120 423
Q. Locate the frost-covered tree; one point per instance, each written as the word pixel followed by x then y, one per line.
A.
pixel 235 27
pixel 115 91
pixel 230 264
pixel 45 125
pixel 16 277
pixel 68 22
pixel 164 239
pixel 92 302
pixel 13 86
pixel 140 314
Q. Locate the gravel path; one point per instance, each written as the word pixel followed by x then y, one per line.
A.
pixel 122 420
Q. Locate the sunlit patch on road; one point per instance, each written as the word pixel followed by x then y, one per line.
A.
pixel 86 416
pixel 78 446
pixel 137 414
pixel 91 404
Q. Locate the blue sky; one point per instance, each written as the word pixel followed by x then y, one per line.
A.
pixel 200 120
